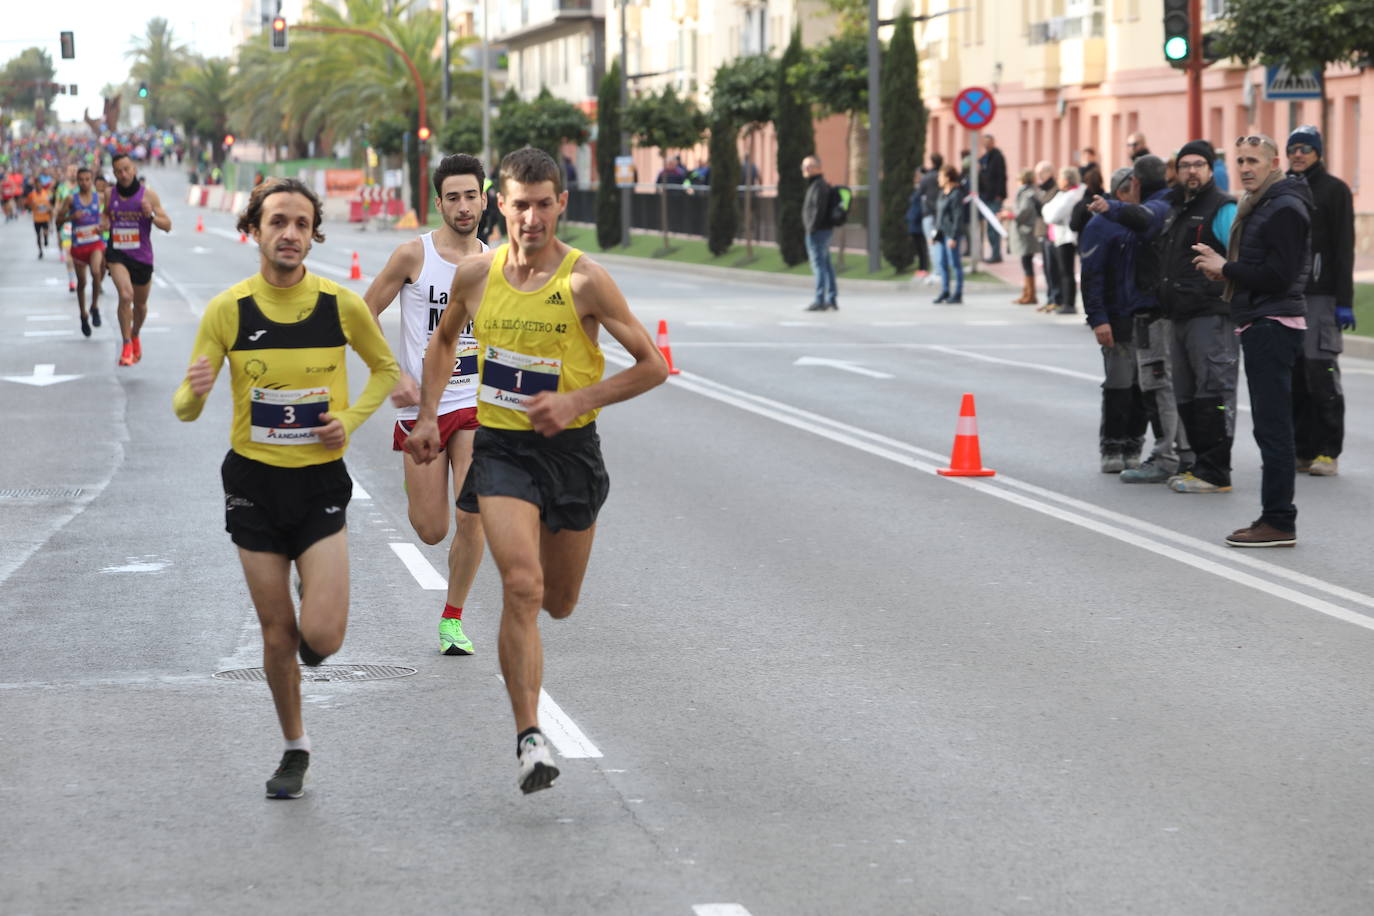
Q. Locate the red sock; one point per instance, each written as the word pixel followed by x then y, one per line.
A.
pixel 452 613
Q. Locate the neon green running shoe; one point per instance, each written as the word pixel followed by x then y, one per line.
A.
pixel 451 638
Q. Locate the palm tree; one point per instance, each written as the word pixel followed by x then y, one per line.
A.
pixel 157 60
pixel 200 101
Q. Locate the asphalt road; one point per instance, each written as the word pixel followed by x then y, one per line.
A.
pixel 807 674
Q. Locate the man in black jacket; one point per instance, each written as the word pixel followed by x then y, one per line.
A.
pixel 816 222
pixel 1265 269
pixel 1318 401
pixel 992 188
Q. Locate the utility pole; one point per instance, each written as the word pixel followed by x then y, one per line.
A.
pixel 1195 67
pixel 447 64
pixel 624 137
pixel 874 136
pixel 486 93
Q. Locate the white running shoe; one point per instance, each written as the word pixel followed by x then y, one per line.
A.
pixel 537 770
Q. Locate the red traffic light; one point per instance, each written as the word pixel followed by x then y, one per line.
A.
pixel 228 139
pixel 423 132
pixel 279 24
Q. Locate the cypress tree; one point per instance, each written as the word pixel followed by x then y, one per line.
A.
pixel 608 225
pixel 903 129
pixel 722 207
pixel 796 141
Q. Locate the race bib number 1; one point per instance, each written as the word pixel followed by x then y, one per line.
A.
pixel 509 379
pixel 287 416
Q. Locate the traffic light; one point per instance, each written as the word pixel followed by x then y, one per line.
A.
pixel 228 140
pixel 1177 33
pixel 422 133
pixel 279 38
pixel 1211 48
pixel 142 90
pixel 68 45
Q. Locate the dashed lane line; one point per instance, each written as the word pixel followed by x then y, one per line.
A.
pixel 419 567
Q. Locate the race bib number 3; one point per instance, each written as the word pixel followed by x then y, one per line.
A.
pixel 124 237
pixel 464 364
pixel 287 416
pixel 509 379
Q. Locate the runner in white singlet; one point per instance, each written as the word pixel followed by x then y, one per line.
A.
pixel 421 273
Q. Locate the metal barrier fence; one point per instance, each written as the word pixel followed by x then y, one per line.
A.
pixel 687 209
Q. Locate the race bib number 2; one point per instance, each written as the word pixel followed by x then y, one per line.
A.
pixel 464 364
pixel 509 379
pixel 287 416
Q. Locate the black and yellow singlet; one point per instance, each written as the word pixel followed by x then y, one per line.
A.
pixel 530 342
pixel 287 365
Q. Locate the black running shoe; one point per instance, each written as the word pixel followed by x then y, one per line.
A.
pixel 289 780
pixel 95 317
pixel 85 326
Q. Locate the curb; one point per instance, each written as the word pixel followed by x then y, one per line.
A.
pixel 1358 346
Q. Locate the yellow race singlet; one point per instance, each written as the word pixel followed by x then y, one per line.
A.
pixel 528 343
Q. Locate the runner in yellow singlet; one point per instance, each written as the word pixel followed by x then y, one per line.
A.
pixel 537 307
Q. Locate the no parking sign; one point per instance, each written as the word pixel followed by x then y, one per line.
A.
pixel 974 108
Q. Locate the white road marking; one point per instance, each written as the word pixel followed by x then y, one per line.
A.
pixel 561 730
pixel 42 376
pixel 419 567
pixel 341 272
pixel 61 333
pixel 841 365
pixel 358 491
pixel 161 283
pixel 983 357
pixel 1191 552
pixel 49 317
pixel 799 324
pixel 712 324
pixel 719 909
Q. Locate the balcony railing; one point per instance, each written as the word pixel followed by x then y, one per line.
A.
pixel 1066 28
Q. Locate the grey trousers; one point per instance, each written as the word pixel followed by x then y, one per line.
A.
pixel 1153 343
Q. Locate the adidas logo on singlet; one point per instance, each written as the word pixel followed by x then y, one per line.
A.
pixel 555 299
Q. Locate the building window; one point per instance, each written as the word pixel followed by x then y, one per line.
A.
pixel 1213 9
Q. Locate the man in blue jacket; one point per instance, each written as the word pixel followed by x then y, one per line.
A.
pixel 1141 207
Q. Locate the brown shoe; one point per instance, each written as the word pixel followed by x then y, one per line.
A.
pixel 1261 534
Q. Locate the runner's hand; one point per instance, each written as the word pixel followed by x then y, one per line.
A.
pixel 423 441
pixel 551 412
pixel 406 393
pixel 201 377
pixel 332 434
pixel 147 207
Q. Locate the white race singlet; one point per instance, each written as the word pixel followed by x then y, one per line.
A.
pixel 422 305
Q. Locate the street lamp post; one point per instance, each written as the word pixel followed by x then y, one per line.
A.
pixel 486 93
pixel 624 137
pixel 874 136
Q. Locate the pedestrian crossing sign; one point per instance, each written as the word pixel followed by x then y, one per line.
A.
pixel 1283 84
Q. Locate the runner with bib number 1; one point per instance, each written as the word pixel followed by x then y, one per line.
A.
pixel 537 478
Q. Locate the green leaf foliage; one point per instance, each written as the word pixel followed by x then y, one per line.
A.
pixel 608 224
pixel 1302 34
pixel 664 120
pixel 743 90
pixel 26 78
pixel 796 141
pixel 903 140
pixel 834 76
pixel 722 207
pixel 545 122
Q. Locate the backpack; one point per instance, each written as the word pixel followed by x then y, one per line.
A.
pixel 840 199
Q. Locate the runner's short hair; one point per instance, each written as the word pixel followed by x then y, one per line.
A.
pixel 251 217
pixel 459 164
pixel 530 166
pixel 82 169
pixel 118 156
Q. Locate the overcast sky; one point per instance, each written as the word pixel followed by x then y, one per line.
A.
pixel 103 33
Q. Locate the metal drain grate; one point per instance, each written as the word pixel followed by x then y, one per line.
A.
pixel 41 493
pixel 323 673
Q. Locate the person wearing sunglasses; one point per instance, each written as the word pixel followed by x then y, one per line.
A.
pixel 1266 269
pixel 1318 400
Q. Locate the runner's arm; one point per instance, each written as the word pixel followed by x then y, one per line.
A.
pixel 387 284
pixel 218 326
pixel 160 217
pixel 365 336
pixel 549 413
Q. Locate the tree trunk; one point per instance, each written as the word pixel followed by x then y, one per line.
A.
pixel 749 198
pixel 663 212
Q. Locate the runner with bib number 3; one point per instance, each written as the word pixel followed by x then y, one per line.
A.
pixel 537 478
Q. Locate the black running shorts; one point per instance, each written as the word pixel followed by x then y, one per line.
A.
pixel 283 510
pixel 140 274
pixel 563 475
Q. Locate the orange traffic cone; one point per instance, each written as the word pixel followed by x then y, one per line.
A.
pixel 663 347
pixel 355 270
pixel 966 460
pixel 200 224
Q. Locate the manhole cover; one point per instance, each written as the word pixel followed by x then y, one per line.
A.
pixel 40 493
pixel 323 673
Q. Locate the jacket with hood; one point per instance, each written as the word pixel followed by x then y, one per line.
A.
pixel 1267 275
pixel 1333 236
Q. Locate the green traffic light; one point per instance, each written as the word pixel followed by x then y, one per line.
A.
pixel 1176 48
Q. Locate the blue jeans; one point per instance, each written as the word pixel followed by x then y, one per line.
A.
pixel 951 262
pixel 818 252
pixel 1270 349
